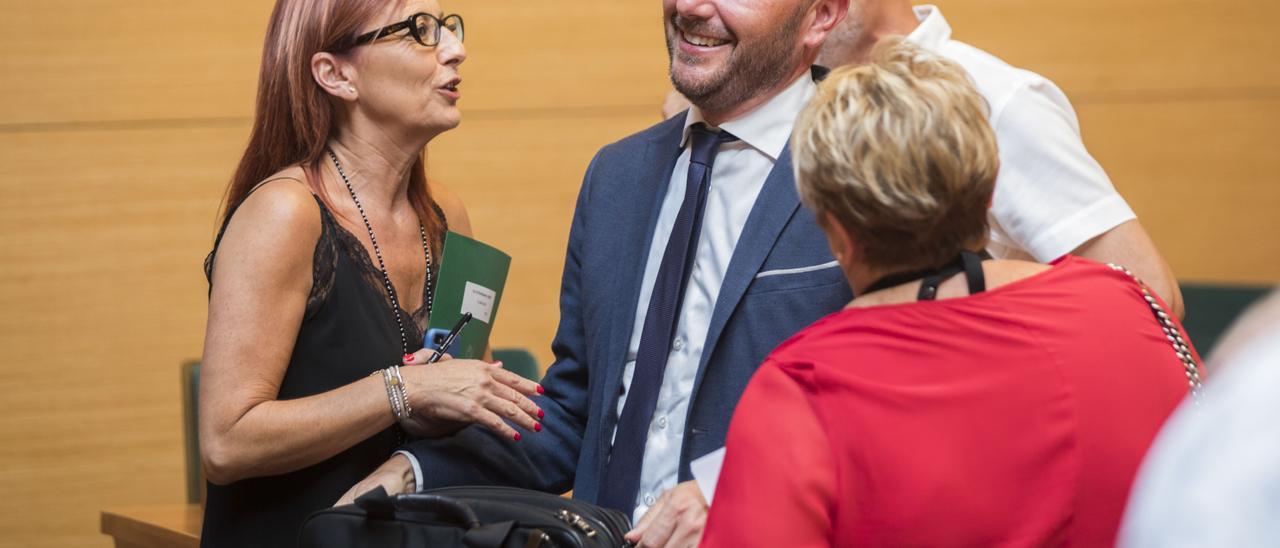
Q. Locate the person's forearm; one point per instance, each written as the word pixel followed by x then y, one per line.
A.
pixel 1161 281
pixel 278 436
pixel 1129 245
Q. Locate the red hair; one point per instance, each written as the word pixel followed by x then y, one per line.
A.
pixel 293 116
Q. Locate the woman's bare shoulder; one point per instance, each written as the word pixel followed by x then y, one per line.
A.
pixel 278 222
pixel 283 202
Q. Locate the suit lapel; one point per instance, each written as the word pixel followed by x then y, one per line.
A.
pixel 772 211
pixel 645 192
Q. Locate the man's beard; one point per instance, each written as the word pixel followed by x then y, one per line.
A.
pixel 749 69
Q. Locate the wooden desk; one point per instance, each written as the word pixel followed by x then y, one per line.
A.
pixel 165 526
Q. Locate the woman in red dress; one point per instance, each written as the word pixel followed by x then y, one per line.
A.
pixel 956 401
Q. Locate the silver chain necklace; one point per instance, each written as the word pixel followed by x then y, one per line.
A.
pixel 377 252
pixel 1180 347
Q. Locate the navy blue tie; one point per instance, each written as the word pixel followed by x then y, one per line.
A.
pixel 622 474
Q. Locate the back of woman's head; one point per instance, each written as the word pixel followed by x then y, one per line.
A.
pixel 899 152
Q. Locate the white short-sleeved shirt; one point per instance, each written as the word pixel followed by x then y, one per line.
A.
pixel 1051 196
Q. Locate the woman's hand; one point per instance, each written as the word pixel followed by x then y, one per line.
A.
pixel 451 391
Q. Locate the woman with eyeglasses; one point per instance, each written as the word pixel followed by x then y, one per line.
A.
pixel 321 277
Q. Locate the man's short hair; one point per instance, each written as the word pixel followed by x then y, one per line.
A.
pixel 900 153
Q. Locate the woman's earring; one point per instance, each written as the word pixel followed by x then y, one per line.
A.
pixel 351 88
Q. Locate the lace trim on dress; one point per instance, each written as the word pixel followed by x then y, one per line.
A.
pixel 340 237
pixel 322 263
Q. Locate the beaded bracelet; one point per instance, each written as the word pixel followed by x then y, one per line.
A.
pixel 391 393
pixel 394 382
pixel 392 397
pixel 400 392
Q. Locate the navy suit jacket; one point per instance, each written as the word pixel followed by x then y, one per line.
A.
pixel 609 240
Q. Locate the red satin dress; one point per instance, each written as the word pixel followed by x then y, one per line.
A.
pixel 1014 417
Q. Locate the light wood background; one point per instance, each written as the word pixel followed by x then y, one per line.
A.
pixel 121 120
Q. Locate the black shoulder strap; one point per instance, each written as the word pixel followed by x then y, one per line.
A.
pixel 973 272
pixel 967 261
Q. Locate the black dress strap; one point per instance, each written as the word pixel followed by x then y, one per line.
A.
pixel 967 261
pixel 929 286
pixel 973 272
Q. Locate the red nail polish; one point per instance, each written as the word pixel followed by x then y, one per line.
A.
pixel 408 358
pixel 540 390
pixel 517 436
pixel 537 427
pixel 541 414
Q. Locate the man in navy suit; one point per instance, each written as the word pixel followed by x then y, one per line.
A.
pixel 689 260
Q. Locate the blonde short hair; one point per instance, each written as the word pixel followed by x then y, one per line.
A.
pixel 900 153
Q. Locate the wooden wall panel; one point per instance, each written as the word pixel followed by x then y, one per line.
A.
pixel 1202 177
pixel 194 61
pixel 116 60
pixel 562 55
pixel 101 238
pixel 1096 49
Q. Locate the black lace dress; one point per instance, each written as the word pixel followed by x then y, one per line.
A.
pixel 348 332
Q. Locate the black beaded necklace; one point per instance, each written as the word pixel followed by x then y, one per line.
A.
pixel 382 267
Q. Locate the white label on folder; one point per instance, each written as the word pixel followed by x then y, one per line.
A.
pixel 478 300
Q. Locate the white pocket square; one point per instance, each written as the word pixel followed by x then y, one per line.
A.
pixel 798 270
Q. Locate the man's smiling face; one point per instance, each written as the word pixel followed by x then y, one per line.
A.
pixel 723 52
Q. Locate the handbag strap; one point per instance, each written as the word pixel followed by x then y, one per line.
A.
pixel 378 505
pixel 1171 332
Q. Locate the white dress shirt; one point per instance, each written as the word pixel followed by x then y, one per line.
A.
pixel 737 175
pixel 1051 196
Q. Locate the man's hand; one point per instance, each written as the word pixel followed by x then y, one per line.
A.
pixel 395 475
pixel 676 520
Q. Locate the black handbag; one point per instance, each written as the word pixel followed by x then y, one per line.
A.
pixel 474 517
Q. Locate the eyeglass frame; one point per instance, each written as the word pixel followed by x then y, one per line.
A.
pixel 373 35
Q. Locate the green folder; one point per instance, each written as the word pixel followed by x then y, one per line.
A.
pixel 472 275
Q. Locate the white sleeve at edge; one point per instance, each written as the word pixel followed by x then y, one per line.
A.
pixel 1051 195
pixel 417 469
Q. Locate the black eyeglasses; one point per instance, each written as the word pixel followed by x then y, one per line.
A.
pixel 424 27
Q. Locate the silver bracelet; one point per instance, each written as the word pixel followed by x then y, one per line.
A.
pixel 392 396
pixel 403 396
